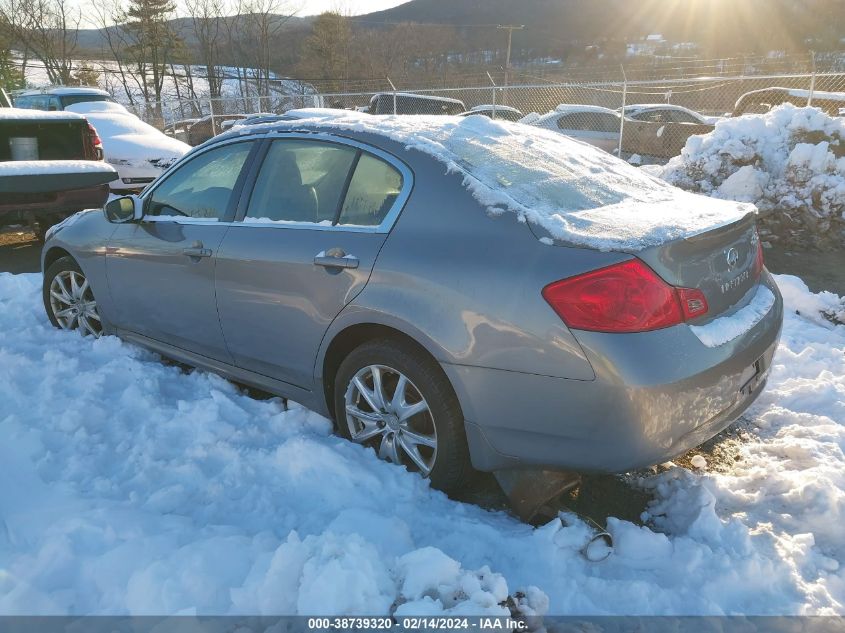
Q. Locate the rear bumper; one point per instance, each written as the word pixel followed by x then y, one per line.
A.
pixel 54 202
pixel 655 396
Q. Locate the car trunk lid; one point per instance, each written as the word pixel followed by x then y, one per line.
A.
pixel 719 262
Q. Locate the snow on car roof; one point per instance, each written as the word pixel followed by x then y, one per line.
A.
pixel 22 114
pixel 66 90
pixel 576 192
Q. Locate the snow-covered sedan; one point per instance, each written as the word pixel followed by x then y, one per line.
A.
pixel 138 151
pixel 454 292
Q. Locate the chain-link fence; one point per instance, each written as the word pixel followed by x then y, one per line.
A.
pixel 659 114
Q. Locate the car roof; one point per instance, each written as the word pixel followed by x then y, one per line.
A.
pixel 490 106
pixel 573 109
pixel 634 107
pixel 65 90
pixel 566 108
pixel 414 95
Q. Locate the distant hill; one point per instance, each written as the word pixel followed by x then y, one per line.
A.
pixel 95 39
pixel 720 26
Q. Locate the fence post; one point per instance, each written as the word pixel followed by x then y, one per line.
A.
pixel 622 116
pixel 490 77
pixel 211 112
pixel 812 78
pixel 394 94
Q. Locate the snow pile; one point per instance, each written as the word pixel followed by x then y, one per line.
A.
pixel 126 139
pixel 790 162
pixel 579 194
pixel 130 486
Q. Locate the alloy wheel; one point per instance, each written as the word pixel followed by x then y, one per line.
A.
pixel 73 303
pixel 384 409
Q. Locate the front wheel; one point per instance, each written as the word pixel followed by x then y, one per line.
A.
pixel 69 299
pixel 393 398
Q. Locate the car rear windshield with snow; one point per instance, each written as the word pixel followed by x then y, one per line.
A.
pixel 577 193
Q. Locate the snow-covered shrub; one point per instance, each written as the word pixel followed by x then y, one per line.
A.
pixel 790 162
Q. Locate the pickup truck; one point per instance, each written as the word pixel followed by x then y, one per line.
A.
pixel 50 167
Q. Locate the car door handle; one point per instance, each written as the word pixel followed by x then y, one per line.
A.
pixel 335 258
pixel 197 250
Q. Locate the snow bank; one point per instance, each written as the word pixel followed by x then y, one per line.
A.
pixel 790 162
pixel 130 486
pixel 576 192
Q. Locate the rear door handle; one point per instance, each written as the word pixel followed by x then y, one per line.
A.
pixel 197 250
pixel 336 258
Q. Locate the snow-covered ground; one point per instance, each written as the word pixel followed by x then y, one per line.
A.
pixel 130 486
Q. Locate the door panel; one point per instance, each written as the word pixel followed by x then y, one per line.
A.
pixel 160 291
pixel 161 270
pixel 276 304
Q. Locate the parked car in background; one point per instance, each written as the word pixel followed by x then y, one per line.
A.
pixel 411 103
pixel 761 101
pixel 138 151
pixel 59 98
pixel 208 127
pixel 337 262
pixel 505 113
pixel 179 129
pixel 50 167
pixel 661 130
pixel 666 113
pixel 592 124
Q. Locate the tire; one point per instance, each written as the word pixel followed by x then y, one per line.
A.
pixel 69 299
pixel 402 429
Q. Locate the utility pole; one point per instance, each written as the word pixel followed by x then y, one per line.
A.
pixel 510 28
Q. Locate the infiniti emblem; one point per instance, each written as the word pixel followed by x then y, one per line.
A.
pixel 733 257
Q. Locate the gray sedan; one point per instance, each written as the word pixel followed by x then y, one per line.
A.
pixel 352 273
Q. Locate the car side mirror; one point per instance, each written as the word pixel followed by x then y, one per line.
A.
pixel 124 209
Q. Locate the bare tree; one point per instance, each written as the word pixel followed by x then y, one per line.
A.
pixel 47 30
pixel 208 29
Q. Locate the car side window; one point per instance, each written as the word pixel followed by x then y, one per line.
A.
pixel 606 123
pixel 300 181
pixel 202 187
pixel 572 122
pixel 373 189
pixel 679 116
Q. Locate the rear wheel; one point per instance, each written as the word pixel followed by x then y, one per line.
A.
pixel 396 400
pixel 69 299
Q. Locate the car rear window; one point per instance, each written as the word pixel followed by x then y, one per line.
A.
pixel 72 99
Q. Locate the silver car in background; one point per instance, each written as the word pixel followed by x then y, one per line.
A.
pixel 343 269
pixel 591 124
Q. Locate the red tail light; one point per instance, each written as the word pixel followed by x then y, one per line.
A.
pixel 625 297
pixel 758 259
pixel 96 143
